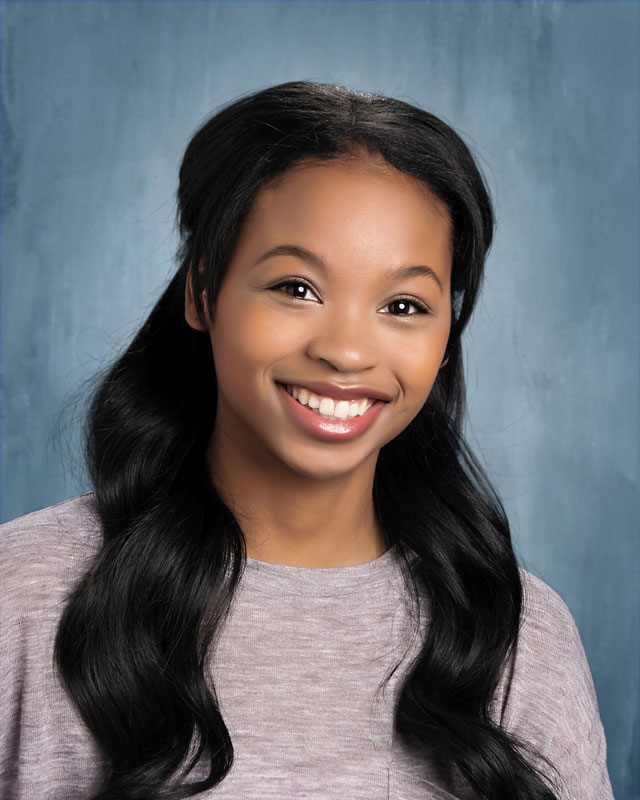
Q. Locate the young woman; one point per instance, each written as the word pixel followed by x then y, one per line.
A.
pixel 292 579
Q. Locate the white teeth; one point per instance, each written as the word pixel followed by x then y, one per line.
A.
pixel 328 407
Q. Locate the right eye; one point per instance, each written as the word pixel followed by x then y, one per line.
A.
pixel 296 282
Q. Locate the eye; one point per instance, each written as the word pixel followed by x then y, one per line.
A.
pixel 294 282
pixel 303 287
pixel 405 302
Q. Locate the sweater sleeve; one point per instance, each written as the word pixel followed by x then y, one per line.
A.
pixel 547 698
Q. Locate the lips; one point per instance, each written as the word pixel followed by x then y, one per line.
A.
pixel 337 392
pixel 329 430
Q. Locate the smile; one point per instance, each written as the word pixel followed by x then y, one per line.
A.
pixel 330 428
pixel 328 407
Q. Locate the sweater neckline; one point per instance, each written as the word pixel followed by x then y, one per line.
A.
pixel 278 579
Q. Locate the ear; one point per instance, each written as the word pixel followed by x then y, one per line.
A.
pixel 190 310
pixel 444 363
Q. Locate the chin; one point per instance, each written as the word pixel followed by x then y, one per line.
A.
pixel 335 465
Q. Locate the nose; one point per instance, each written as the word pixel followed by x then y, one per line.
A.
pixel 345 339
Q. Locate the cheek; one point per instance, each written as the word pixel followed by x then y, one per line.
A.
pixel 246 342
pixel 419 366
pixel 422 372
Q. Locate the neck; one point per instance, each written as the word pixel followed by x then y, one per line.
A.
pixel 295 520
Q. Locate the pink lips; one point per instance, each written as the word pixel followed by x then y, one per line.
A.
pixel 326 429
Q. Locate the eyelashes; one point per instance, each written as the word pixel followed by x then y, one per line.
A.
pixel 422 308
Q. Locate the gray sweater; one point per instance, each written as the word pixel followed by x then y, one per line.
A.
pixel 297 672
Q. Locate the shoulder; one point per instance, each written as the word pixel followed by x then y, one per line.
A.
pixel 46 550
pixel 548 649
pixel 42 557
pixel 546 697
pixel 545 614
pixel 548 643
pixel 66 528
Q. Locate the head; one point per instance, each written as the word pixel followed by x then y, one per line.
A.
pixel 350 178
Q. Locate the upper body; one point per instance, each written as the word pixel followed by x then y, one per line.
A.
pixel 296 673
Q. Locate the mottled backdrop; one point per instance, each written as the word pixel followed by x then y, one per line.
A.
pixel 99 100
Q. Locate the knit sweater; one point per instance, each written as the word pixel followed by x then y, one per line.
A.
pixel 298 673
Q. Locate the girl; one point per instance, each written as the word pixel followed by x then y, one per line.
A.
pixel 292 579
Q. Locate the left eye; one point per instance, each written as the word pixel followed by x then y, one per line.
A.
pixel 403 302
pixel 407 301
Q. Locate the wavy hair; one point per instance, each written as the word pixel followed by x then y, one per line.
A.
pixel 134 640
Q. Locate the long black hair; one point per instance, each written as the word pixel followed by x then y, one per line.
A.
pixel 133 643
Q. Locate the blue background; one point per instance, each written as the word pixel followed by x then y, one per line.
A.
pixel 99 101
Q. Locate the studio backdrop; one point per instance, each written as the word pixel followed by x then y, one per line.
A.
pixel 99 101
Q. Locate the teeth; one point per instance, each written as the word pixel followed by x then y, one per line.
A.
pixel 328 407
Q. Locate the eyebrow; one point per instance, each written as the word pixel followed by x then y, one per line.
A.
pixel 397 273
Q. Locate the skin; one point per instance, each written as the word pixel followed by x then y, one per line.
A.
pixel 301 501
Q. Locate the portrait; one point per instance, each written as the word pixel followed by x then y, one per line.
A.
pixel 319 399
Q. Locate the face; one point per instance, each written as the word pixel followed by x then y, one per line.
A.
pixel 315 293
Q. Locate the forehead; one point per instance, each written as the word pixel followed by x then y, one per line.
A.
pixel 348 175
pixel 350 208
